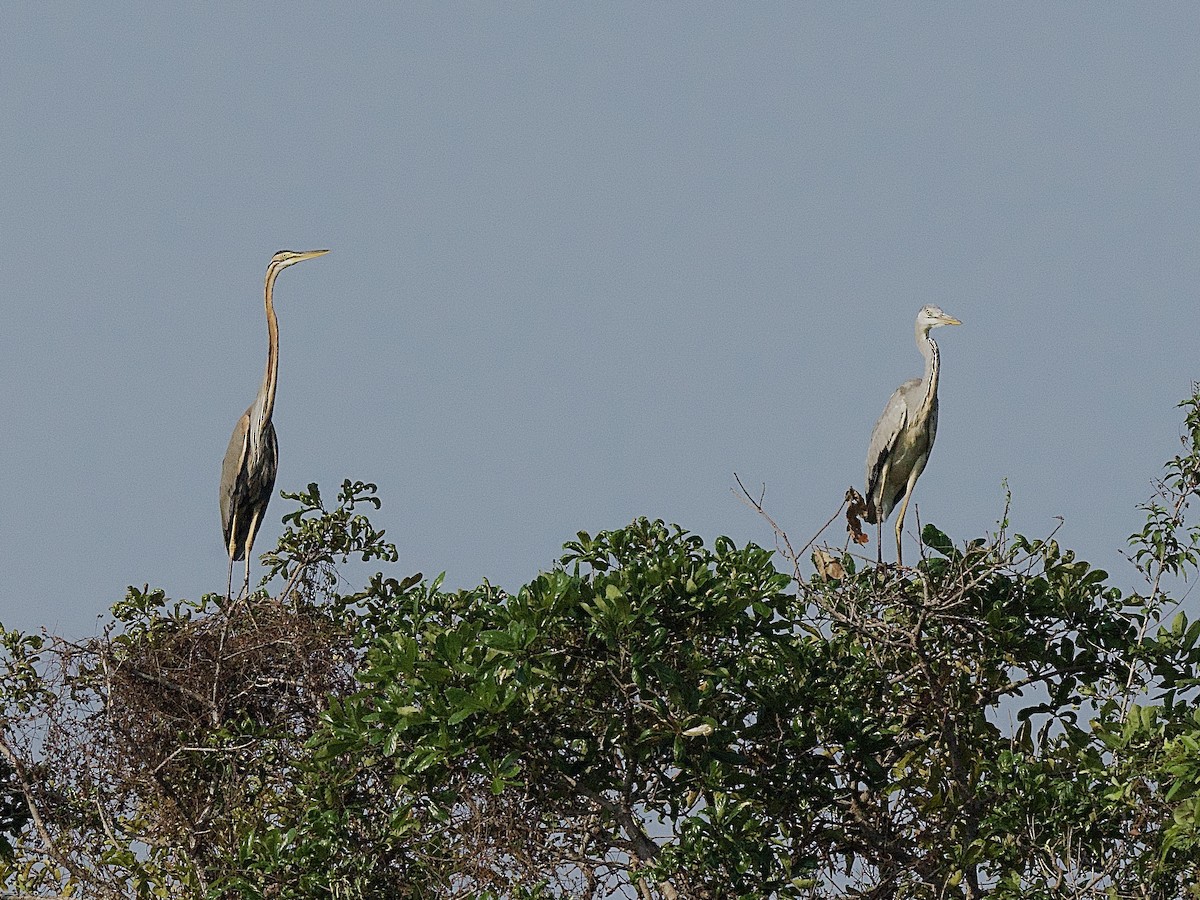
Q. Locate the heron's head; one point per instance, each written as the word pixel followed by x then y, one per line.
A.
pixel 285 258
pixel 932 317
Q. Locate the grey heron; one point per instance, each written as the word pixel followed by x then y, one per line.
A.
pixel 248 472
pixel 903 436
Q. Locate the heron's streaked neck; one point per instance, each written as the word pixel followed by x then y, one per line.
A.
pixel 929 350
pixel 264 403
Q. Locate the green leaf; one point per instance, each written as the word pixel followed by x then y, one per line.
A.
pixel 937 541
pixel 498 640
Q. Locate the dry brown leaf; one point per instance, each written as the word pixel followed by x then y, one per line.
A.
pixel 828 565
pixel 856 509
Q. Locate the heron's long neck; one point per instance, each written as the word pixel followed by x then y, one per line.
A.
pixel 264 403
pixel 929 350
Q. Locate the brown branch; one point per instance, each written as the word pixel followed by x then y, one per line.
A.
pixel 641 846
pixel 788 552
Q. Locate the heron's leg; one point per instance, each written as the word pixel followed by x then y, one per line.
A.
pixel 229 590
pixel 250 533
pixel 912 481
pixel 246 584
pixel 879 513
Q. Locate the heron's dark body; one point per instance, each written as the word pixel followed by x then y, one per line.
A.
pixel 251 479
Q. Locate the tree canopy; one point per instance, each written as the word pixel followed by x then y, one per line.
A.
pixel 655 716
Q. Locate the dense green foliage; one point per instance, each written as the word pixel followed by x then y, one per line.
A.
pixel 653 717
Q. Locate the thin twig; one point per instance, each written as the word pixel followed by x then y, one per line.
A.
pixel 789 553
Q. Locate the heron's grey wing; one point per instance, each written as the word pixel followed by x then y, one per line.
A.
pixel 232 473
pixel 883 442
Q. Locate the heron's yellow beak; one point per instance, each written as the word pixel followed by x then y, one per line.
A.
pixel 946 320
pixel 309 254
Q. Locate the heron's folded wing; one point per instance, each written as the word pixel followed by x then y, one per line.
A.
pixel 883 440
pixel 233 469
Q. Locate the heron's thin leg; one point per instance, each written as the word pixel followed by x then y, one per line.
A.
pixel 879 543
pixel 912 481
pixel 253 530
pixel 900 522
pixel 229 589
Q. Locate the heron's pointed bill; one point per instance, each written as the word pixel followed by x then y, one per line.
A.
pixel 949 320
pixel 309 254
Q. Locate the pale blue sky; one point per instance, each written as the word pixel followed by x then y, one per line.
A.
pixel 588 261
